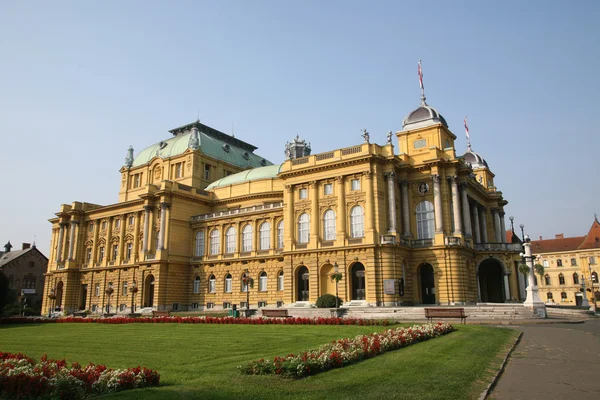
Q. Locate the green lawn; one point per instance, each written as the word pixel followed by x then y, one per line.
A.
pixel 199 361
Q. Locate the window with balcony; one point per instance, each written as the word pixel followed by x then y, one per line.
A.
pixel 425 220
pixel 303 228
pixel 329 225
pixel 561 279
pixel 357 222
pixel 199 245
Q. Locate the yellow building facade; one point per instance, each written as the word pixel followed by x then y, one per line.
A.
pixel 407 222
pixel 570 265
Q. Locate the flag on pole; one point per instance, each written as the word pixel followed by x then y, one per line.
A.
pixel 420 75
pixel 467 129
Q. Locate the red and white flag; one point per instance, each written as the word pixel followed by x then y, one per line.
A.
pixel 467 129
pixel 420 75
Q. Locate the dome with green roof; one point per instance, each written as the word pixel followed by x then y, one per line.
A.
pixel 209 141
pixel 255 174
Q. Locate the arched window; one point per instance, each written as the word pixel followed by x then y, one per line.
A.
pixel 230 240
pixel 262 282
pixel 575 279
pixel 561 279
pixel 329 225
pixel 280 235
pixel 563 296
pixel 199 251
pixel 197 284
pixel 215 242
pixel 212 284
pixel 547 280
pixel 280 281
pixel 228 283
pixel 595 277
pixel 265 236
pixel 357 222
pixel 425 220
pixel 246 238
pixel 303 228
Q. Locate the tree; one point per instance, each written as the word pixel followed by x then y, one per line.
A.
pixel 7 295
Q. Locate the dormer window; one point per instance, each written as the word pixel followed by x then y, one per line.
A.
pixel 246 155
pixel 226 148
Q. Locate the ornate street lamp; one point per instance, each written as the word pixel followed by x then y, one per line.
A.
pixel 248 282
pixel 134 290
pixel 533 301
pixel 522 231
pixel 336 276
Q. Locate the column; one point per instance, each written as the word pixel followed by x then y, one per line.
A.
pixel 72 239
pixel 368 175
pixel 506 288
pixel 391 177
pixel 341 211
pixel 483 220
pixel 437 203
pixel 59 246
pixel 502 227
pixel 455 206
pixel 122 238
pixel 314 214
pixel 148 210
pixel 136 238
pixel 478 288
pixel 405 208
pixel 163 223
pixel 466 212
pixel 476 222
pixel 288 217
pixel 497 227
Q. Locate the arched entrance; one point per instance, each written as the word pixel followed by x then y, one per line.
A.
pixel 358 281
pixel 427 284
pixel 327 286
pixel 149 291
pixel 303 284
pixel 491 281
pixel 59 294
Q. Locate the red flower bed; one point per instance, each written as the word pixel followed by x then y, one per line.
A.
pixel 21 377
pixel 199 320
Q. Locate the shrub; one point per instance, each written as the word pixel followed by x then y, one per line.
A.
pixel 327 301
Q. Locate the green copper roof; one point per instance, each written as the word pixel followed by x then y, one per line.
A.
pixel 212 143
pixel 255 174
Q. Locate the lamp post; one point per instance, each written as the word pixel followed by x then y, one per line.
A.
pixel 512 225
pixel 247 281
pixel 336 270
pixel 134 290
pixel 522 231
pixel 51 296
pixel 533 301
pixel 591 287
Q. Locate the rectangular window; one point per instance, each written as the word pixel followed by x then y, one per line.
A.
pixel 243 304
pixel 137 180
pixel 178 170
pixel 94 307
pixel 545 263
pixel 101 254
pixel 355 184
pixel 97 289
pixel 103 225
pixel 115 251
pixel 280 235
pixel 122 307
pixel 327 189
pixel 210 305
pixel 419 144
pixel 280 282
pixel 592 260
pixel 124 289
pixel 117 223
pixel 228 285
pixel 129 250
pixel 226 305
pixel 88 255
pixel 573 261
pixel 559 263
pixel 212 286
pixel 131 220
pixel 262 304
pixel 206 171
pixel 175 307
pixel 91 227
pixel 303 193
pixel 195 306
pixel 262 283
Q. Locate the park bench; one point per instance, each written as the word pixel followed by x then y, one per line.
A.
pixel 274 313
pixel 160 314
pixel 431 313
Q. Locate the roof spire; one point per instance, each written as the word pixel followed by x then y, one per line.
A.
pixel 468 136
pixel 423 103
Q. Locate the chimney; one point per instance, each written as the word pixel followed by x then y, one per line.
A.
pixel 26 246
pixel 559 236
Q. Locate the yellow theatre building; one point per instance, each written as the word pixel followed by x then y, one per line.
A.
pixel 407 222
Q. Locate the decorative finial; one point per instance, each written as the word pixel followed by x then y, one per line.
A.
pixel 468 136
pixel 129 158
pixel 194 141
pixel 365 135
pixel 389 137
pixel 423 103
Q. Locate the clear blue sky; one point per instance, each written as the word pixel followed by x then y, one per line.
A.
pixel 81 81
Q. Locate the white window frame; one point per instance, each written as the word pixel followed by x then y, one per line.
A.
pixel 230 236
pixel 303 228
pixel 115 252
pixel 97 290
pixel 131 220
pixel 124 288
pixel 101 254
pixel 247 238
pixel 355 184
pixel 329 226
pixel 425 216
pixel 212 284
pixel 228 281
pixel 545 263
pixel 215 242
pixel 280 281
pixel 357 222
pixel 303 193
pixel 262 282
pixel 280 231
pixel 265 236
pixel 197 284
pixel 129 250
pixel 199 248
pixel 328 189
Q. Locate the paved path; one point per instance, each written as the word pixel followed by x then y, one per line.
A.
pixel 559 361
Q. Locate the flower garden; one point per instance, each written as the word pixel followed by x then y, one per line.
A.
pixel 342 352
pixel 22 377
